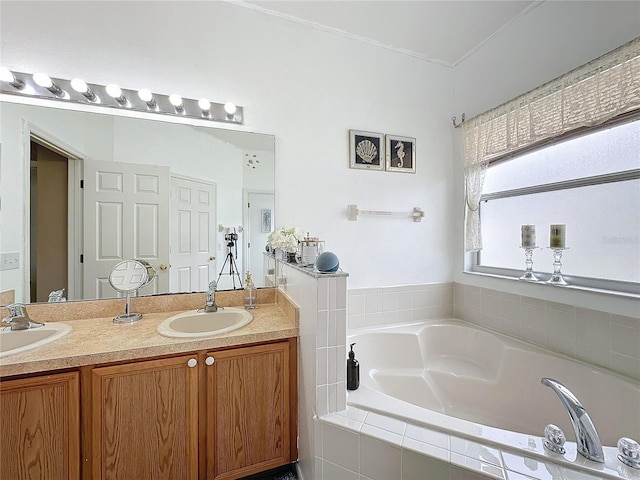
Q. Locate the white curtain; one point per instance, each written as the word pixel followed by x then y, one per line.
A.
pixel 589 95
pixel 474 180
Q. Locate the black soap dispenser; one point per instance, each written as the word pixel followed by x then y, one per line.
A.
pixel 353 371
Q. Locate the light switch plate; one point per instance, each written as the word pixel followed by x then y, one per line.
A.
pixel 9 261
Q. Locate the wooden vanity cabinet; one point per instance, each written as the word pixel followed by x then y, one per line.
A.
pixel 144 420
pixel 217 415
pixel 40 427
pixel 251 420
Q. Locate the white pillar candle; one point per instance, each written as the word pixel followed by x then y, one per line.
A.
pixel 528 236
pixel 558 236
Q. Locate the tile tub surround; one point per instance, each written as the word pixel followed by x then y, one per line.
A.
pixel 361 445
pixel 369 307
pixel 604 339
pixel 322 303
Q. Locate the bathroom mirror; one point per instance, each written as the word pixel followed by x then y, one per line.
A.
pixel 82 191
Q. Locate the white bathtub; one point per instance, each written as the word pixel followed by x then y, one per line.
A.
pixel 460 378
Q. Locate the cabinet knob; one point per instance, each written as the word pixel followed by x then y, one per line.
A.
pixel 209 361
pixel 192 362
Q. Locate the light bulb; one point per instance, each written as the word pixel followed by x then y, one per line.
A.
pixel 230 108
pixel 176 101
pixel 9 77
pixel 6 75
pixel 115 92
pixel 44 81
pixel 81 86
pixel 147 97
pixel 205 106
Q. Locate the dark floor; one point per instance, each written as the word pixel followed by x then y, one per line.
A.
pixel 288 472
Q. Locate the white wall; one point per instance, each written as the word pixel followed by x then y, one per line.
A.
pixel 305 86
pixel 549 41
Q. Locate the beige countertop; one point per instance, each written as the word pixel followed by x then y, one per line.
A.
pixel 98 340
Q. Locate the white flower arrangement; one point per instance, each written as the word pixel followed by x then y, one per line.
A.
pixel 286 239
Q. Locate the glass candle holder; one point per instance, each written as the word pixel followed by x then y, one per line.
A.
pixel 528 275
pixel 556 276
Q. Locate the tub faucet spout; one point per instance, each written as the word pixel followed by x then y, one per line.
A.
pixel 587 439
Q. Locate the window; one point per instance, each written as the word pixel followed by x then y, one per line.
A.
pixel 591 183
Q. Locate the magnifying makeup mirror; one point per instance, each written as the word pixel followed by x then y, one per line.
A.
pixel 127 277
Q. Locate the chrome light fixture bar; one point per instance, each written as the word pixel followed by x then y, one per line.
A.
pixel 112 96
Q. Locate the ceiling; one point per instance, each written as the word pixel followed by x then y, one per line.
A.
pixel 441 31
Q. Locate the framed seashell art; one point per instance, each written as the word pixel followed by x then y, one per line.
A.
pixel 366 150
pixel 401 154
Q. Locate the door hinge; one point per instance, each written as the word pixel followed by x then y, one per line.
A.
pixel 81 183
pixel 81 258
pixel 248 244
pixel 248 204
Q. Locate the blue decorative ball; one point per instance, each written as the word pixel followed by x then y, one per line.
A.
pixel 327 262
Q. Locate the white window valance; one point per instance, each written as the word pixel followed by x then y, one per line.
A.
pixel 589 95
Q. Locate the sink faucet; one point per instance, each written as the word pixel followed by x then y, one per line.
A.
pixel 211 306
pixel 18 318
pixel 587 439
pixel 57 296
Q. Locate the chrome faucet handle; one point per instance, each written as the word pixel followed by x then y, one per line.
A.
pixel 17 310
pixel 554 439
pixel 210 304
pixel 629 452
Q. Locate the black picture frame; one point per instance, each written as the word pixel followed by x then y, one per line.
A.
pixel 366 150
pixel 401 154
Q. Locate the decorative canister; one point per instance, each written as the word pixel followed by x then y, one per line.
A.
pixel 310 248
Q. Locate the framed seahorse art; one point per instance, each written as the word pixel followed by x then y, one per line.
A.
pixel 401 154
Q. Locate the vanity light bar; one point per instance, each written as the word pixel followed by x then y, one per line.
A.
pixel 112 96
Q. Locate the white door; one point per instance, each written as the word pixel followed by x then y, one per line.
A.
pixel 126 216
pixel 193 235
pixel 260 215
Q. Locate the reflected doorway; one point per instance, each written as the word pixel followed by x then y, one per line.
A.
pixel 49 206
pixel 259 223
pixel 193 234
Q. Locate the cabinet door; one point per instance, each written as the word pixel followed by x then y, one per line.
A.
pixel 39 426
pixel 145 420
pixel 248 410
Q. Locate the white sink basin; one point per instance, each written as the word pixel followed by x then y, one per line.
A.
pixel 17 341
pixel 205 324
